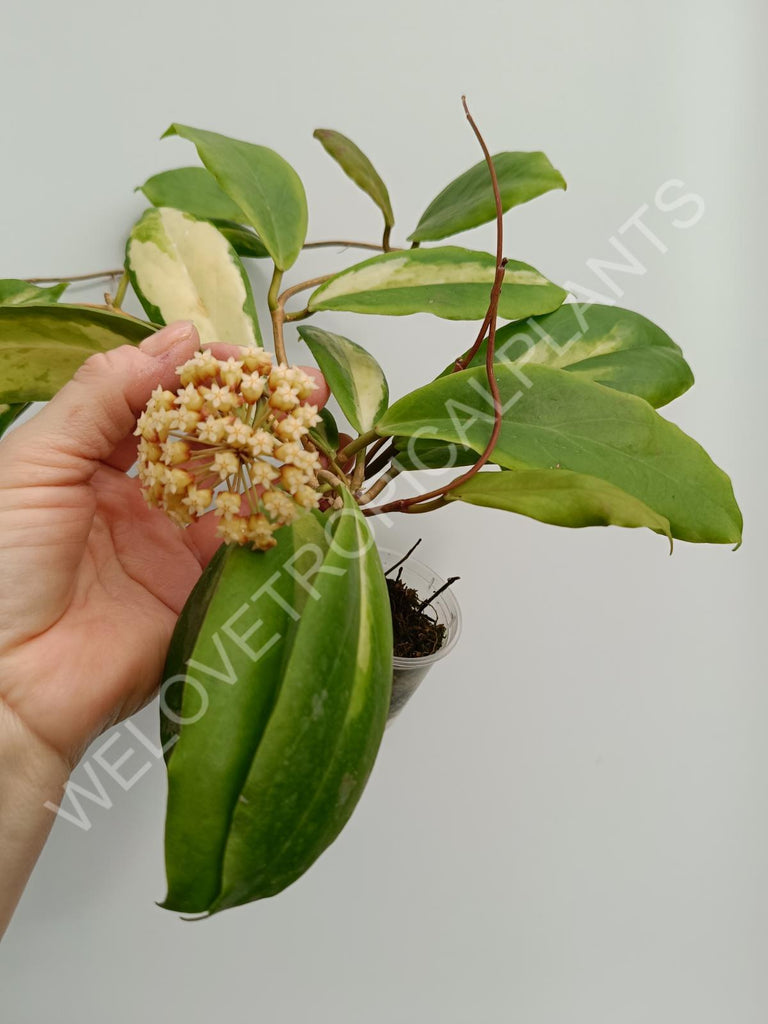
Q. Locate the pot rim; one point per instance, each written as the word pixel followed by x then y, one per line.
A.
pixel 449 614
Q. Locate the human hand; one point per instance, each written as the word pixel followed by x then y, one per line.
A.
pixel 93 580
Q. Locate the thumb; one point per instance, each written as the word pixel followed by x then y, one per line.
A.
pixel 84 423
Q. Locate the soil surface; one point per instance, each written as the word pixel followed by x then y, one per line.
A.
pixel 416 631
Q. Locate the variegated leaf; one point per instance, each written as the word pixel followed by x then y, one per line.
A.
pixel 42 346
pixel 184 269
pixel 20 293
pixel 356 380
pixel 607 344
pixel 559 497
pixel 447 281
pixel 553 419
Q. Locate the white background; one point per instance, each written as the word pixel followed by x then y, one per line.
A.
pixel 568 824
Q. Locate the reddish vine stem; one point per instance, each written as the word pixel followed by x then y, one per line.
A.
pixel 463 361
pixel 435 498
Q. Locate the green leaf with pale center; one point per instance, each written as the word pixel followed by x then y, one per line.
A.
pixel 358 167
pixel 182 268
pixel 20 293
pixel 42 346
pixel 612 346
pixel 469 202
pixel 553 419
pixel 326 725
pixel 262 184
pixel 225 659
pixel 356 380
pixel 447 281
pixel 559 497
pixel 281 670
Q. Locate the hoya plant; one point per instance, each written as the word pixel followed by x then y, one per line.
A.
pixel 278 680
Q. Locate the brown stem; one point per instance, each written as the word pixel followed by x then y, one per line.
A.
pixel 302 286
pixel 385 240
pixel 463 362
pixel 436 498
pixel 375 489
pixel 277 306
pixel 341 244
pixel 302 314
pixel 75 277
pixel 358 474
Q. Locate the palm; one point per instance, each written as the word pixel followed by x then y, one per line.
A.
pixel 92 647
pixel 93 580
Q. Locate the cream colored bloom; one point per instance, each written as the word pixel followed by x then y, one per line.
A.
pixel 225 464
pixel 228 503
pixel 238 420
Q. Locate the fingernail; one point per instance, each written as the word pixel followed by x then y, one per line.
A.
pixel 168 337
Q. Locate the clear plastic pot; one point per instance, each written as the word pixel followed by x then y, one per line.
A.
pixel 408 673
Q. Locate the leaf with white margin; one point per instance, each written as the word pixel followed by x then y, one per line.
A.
pixel 561 498
pixel 184 269
pixel 613 346
pixel 356 380
pixel 447 281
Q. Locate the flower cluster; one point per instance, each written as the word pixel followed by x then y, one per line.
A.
pixel 232 438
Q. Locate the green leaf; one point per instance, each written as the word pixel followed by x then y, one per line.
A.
pixel 468 201
pixel 415 453
pixel 20 293
pixel 358 167
pixel 559 497
pixel 225 660
pixel 182 268
pixel 281 669
pixel 42 346
pixel 262 184
pixel 447 281
pixel 326 433
pixel 612 346
pixel 326 725
pixel 193 190
pixel 555 420
pixel 356 380
pixel 9 414
pixel 244 241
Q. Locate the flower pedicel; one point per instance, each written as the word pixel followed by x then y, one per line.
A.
pixel 239 426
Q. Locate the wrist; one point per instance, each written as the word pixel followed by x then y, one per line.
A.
pixel 31 773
